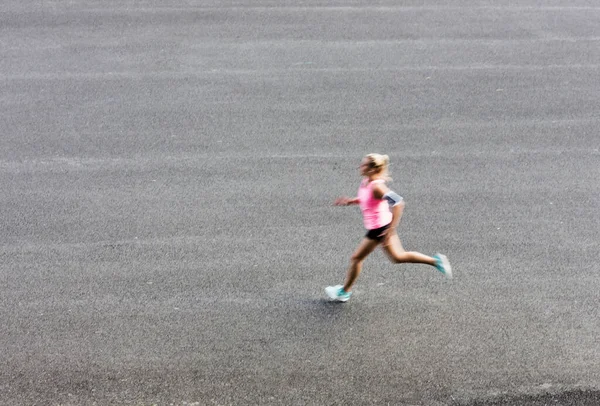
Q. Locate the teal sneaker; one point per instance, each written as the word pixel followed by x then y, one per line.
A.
pixel 337 293
pixel 443 265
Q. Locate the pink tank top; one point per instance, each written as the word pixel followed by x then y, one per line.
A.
pixel 376 212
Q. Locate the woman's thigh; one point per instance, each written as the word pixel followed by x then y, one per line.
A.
pixel 365 247
pixel 393 248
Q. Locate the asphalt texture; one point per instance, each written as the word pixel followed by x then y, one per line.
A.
pixel 168 171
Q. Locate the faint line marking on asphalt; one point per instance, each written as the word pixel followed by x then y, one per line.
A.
pixel 192 74
pixel 187 161
pixel 158 10
pixel 344 42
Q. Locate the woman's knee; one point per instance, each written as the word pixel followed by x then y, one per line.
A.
pixel 399 258
pixel 357 259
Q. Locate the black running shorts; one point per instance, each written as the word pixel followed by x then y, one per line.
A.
pixel 377 234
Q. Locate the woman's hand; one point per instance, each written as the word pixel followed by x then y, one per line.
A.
pixel 344 201
pixel 387 235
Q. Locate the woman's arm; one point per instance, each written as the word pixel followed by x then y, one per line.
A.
pixel 345 201
pixel 397 211
pixel 381 191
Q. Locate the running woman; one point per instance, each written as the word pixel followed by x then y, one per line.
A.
pixel 381 209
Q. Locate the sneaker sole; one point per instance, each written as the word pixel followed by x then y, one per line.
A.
pixel 331 292
pixel 446 266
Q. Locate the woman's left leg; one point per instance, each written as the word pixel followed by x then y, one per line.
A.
pixel 364 249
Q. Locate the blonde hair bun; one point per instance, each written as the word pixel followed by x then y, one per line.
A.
pixel 381 163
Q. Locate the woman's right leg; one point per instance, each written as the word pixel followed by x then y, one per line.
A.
pixel 364 249
pixel 397 254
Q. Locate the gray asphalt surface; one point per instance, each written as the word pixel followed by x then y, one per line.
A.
pixel 168 170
